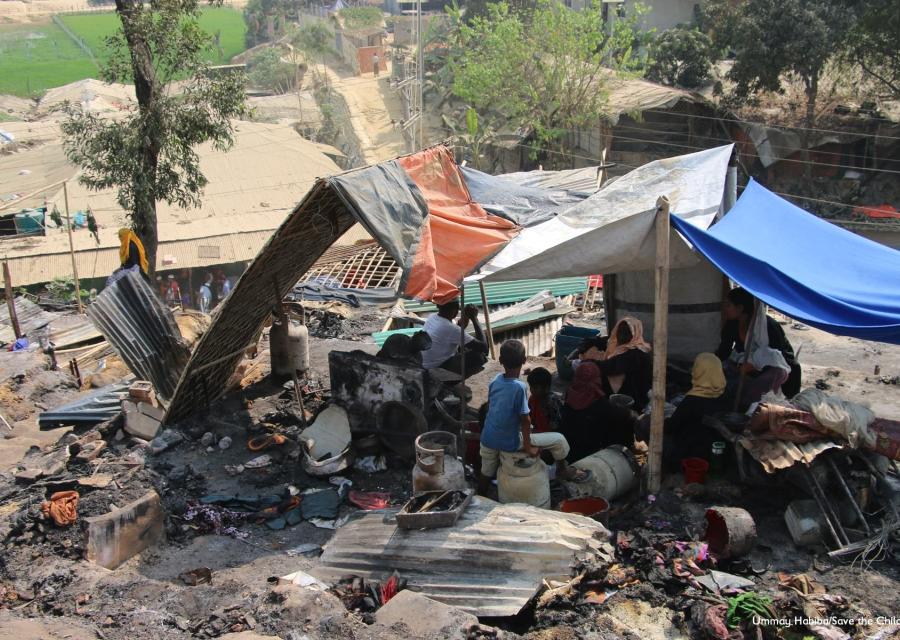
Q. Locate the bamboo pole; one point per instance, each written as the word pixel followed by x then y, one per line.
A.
pixel 489 334
pixel 660 344
pixel 72 248
pixel 462 358
pixel 11 301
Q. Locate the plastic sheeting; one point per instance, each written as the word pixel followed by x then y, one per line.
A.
pixel 612 231
pixel 805 267
pixel 520 202
pixel 420 210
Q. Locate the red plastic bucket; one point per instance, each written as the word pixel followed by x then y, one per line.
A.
pixel 595 508
pixel 695 470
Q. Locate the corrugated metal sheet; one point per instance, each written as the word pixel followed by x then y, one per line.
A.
pixel 142 331
pixel 73 331
pixel 775 455
pixel 491 563
pixel 512 291
pixel 93 408
pixel 31 318
pixel 539 339
pixel 500 328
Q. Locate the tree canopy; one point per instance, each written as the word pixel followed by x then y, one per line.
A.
pixel 545 69
pixel 149 154
pixel 682 57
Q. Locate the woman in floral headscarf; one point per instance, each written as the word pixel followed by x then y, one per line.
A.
pixel 627 365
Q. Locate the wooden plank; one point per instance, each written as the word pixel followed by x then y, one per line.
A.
pixel 487 321
pixel 660 344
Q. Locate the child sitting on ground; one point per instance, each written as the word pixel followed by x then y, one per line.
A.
pixel 507 426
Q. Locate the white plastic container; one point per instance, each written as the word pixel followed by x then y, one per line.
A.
pixel 523 479
pixel 804 521
pixel 289 348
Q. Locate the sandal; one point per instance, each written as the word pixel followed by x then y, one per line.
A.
pixel 258 443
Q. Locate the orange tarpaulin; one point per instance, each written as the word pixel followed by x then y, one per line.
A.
pixel 458 235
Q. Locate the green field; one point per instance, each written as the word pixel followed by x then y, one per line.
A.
pixel 34 58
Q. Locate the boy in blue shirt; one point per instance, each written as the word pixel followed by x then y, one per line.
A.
pixel 507 426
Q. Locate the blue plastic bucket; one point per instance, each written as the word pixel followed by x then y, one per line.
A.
pixel 567 340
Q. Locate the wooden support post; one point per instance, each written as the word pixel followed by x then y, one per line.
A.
pixel 462 359
pixel 72 248
pixel 489 334
pixel 11 301
pixel 660 345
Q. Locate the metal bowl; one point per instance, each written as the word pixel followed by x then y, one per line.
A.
pixel 622 400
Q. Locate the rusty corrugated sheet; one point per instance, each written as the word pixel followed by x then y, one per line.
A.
pixel 491 563
pixel 775 455
pixel 142 330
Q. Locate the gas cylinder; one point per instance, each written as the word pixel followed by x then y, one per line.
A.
pixel 614 472
pixel 289 348
pixel 437 467
pixel 522 478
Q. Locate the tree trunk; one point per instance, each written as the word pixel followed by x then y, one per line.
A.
pixel 147 90
pixel 812 94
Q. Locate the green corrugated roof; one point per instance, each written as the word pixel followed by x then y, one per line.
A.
pixel 502 325
pixel 512 291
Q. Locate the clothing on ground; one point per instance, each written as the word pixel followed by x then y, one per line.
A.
pixel 507 403
pixel 444 340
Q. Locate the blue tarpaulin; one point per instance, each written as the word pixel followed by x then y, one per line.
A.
pixel 805 267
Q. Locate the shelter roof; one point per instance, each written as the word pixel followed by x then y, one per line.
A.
pixel 251 189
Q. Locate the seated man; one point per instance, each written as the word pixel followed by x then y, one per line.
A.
pixel 444 352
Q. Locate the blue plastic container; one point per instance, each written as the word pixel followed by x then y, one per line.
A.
pixel 567 340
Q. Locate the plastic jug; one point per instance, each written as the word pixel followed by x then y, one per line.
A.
pixel 524 479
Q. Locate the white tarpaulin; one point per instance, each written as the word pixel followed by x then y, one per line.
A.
pixel 613 230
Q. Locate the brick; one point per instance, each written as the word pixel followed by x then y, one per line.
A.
pixel 90 450
pixel 142 420
pixel 118 535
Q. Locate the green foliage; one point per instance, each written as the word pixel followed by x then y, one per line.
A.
pixel 316 41
pixel 63 290
pixel 681 57
pixel 470 132
pixel 771 38
pixel 544 70
pixel 258 14
pixel 359 17
pixel 148 154
pixel 268 71
pixel 872 44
